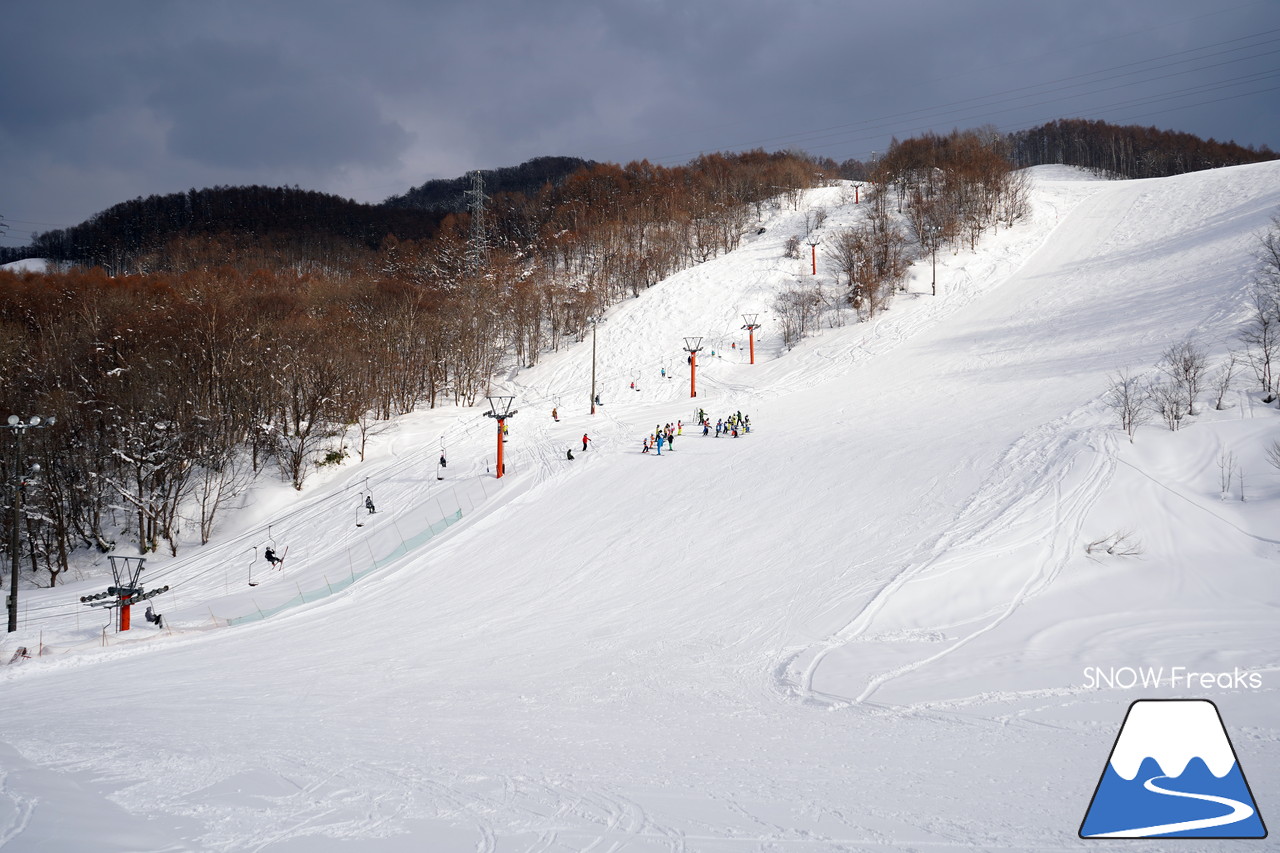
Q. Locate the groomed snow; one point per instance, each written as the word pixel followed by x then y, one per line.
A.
pixel 864 626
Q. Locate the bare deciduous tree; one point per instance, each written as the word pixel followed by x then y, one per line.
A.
pixel 1273 454
pixel 1169 401
pixel 1221 381
pixel 1185 362
pixel 1128 397
pixel 1119 543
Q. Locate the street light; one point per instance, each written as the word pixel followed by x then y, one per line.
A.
pixel 18 428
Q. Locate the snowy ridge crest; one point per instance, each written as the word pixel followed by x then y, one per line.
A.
pixel 1172 733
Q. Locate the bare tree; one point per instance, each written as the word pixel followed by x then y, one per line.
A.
pixel 1119 543
pixel 1226 470
pixel 1273 454
pixel 1127 397
pixel 1261 337
pixel 1185 363
pixel 798 309
pixel 1221 381
pixel 1169 401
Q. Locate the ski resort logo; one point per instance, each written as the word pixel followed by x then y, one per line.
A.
pixel 1172 773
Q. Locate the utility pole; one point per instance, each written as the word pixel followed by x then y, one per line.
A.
pixel 813 242
pixel 693 346
pixel 477 245
pixel 18 428
pixel 751 326
pixel 500 409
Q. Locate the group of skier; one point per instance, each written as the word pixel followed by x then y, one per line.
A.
pixel 663 435
pixel 736 424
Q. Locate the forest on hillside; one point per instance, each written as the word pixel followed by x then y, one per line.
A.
pixel 1126 151
pixel 176 386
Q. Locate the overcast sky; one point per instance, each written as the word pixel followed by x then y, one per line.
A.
pixel 105 101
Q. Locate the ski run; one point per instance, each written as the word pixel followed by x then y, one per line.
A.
pixel 872 623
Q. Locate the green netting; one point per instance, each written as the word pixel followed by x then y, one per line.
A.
pixel 330 587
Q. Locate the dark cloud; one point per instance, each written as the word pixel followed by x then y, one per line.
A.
pixel 107 101
pixel 249 107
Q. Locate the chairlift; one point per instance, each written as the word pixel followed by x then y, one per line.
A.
pixel 366 504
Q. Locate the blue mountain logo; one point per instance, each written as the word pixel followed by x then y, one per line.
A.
pixel 1172 773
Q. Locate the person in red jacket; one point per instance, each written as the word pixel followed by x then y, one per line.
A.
pixel 584 441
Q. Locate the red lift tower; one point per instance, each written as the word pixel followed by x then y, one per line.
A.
pixel 693 346
pixel 750 327
pixel 500 409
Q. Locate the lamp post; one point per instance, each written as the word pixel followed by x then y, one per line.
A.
pixel 500 409
pixel 751 326
pixel 18 427
pixel 693 346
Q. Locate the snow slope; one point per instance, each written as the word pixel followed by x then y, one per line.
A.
pixel 863 626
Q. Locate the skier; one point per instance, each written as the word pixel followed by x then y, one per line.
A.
pixel 646 445
pixel 664 373
pixel 270 554
pixel 555 416
pixel 584 441
pixel 569 453
pixel 443 462
pixel 368 504
pixel 598 403
pixel 633 386
pixel 706 428
pixel 152 616
pixel 659 444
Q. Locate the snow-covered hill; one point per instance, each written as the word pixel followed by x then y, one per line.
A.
pixel 870 623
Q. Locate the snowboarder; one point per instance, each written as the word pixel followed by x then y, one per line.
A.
pixel 664 373
pixel 555 415
pixel 633 386
pixel 152 616
pixel 270 554
pixel 443 462
pixel 584 441
pixel 368 504
pixel 598 403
